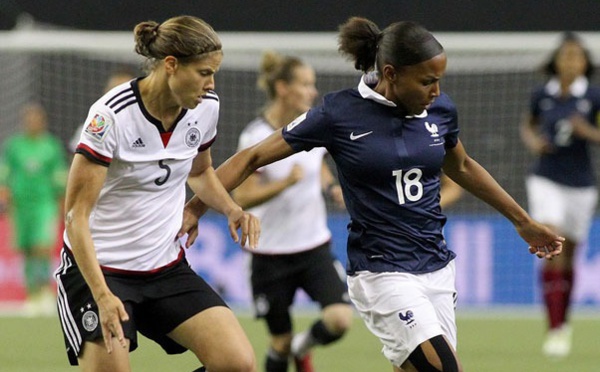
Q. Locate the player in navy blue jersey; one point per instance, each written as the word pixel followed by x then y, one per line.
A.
pixel 562 122
pixel 390 138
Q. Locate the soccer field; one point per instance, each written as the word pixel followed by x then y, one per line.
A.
pixel 487 343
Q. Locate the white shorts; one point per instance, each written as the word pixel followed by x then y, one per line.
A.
pixel 404 310
pixel 569 209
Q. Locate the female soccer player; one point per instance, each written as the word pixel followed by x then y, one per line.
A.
pixel 390 137
pixel 561 124
pixel 123 269
pixel 287 196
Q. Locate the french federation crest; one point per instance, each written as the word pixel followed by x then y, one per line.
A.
pixel 98 127
pixel 192 137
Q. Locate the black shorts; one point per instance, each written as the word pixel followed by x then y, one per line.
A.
pixel 156 304
pixel 276 278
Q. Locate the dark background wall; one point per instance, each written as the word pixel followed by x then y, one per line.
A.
pixel 314 15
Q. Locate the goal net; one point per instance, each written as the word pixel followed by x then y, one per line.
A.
pixel 489 77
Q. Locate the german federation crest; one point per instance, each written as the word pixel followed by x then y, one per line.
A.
pixel 192 137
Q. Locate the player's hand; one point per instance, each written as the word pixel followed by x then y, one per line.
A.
pixel 189 226
pixel 543 242
pixel 249 225
pixel 296 174
pixel 112 313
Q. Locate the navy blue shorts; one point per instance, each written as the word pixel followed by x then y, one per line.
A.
pixel 156 304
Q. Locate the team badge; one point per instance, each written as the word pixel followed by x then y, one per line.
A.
pixel 98 127
pixel 89 321
pixel 192 137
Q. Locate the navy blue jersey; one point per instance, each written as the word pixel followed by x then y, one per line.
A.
pixel 570 164
pixel 389 167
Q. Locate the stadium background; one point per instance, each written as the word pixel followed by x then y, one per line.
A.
pixel 495 268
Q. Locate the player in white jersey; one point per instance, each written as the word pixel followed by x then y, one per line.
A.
pixel 123 269
pixel 294 250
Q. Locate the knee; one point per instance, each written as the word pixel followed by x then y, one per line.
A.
pixel 241 363
pixel 338 318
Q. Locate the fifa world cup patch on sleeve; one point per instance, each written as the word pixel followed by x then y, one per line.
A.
pixel 296 121
pixel 98 127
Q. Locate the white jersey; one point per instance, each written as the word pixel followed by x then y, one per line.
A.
pixel 296 219
pixel 140 207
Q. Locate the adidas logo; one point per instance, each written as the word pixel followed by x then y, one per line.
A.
pixel 138 143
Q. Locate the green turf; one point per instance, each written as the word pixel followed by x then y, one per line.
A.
pixel 486 344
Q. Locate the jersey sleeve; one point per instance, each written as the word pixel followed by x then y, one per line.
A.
pixel 309 130
pixel 451 119
pixel 212 118
pixel 98 140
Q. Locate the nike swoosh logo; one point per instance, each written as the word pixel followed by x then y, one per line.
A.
pixel 354 137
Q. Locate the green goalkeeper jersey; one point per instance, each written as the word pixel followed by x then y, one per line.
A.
pixel 33 168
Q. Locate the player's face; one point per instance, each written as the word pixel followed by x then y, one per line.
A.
pixel 301 92
pixel 570 60
pixel 417 86
pixel 190 81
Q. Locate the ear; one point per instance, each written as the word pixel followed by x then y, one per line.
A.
pixel 389 73
pixel 281 88
pixel 171 65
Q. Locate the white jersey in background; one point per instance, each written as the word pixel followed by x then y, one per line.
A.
pixel 139 210
pixel 296 219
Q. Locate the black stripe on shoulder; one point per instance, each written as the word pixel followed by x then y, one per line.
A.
pixel 211 95
pixel 119 94
pixel 124 105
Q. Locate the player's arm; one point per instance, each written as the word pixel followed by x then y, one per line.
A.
pixel 244 163
pixel 206 186
pixel 450 191
pixel 330 186
pixel 253 191
pixel 531 137
pixel 469 174
pixel 83 187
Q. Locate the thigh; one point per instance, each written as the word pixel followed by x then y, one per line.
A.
pixel 216 338
pixel 95 358
pixel 396 309
pixel 581 206
pixel 78 312
pixel 274 285
pixel 173 298
pixel 323 278
pixel 546 201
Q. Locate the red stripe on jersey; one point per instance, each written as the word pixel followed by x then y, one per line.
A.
pixel 207 144
pixel 83 148
pixel 149 272
pixel 165 137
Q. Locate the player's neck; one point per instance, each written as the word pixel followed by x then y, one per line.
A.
pixel 278 116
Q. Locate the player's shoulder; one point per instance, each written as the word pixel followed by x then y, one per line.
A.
pixel 118 98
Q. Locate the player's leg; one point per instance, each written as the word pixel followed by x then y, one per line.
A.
pixel 433 355
pixel 180 311
pixel 95 358
pixel 273 288
pixel 406 320
pixel 217 339
pixel 323 280
pixel 80 323
pixel 40 237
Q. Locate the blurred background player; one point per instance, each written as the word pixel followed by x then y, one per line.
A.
pixel 32 181
pixel 561 187
pixel 294 250
pixel 117 77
